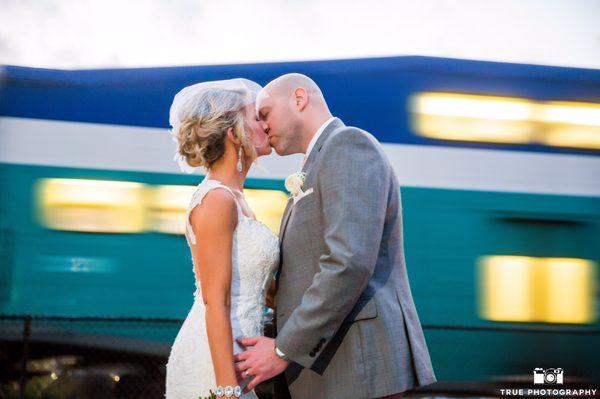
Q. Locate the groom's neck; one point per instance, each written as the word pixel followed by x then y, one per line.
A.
pixel 313 123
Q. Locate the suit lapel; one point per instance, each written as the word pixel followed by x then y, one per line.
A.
pixel 286 216
pixel 284 220
pixel 335 124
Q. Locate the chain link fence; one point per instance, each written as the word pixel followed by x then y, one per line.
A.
pixel 125 358
pixel 87 357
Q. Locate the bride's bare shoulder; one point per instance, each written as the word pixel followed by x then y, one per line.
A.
pixel 216 211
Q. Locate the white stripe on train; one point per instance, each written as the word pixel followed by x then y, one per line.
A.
pixel 114 147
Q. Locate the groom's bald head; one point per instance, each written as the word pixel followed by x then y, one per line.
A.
pixel 286 84
pixel 293 107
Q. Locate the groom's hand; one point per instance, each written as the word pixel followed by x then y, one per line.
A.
pixel 260 361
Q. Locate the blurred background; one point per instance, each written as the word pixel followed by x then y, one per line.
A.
pixel 489 112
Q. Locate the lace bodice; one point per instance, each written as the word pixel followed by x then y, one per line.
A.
pixel 255 254
pixel 254 257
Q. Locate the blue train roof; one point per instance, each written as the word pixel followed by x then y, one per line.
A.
pixel 432 65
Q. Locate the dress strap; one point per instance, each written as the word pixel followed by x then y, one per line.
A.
pixel 203 188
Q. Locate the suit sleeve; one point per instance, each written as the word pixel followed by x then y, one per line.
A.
pixel 352 179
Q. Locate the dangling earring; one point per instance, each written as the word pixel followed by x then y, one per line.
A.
pixel 239 162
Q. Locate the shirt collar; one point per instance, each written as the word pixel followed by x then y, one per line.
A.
pixel 316 136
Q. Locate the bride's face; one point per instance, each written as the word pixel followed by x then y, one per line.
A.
pixel 257 131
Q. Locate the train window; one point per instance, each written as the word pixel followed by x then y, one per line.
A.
pixel 168 205
pixel 126 207
pixel 466 117
pixel 531 289
pixel 569 124
pixel 90 205
pixel 479 118
pixel 268 206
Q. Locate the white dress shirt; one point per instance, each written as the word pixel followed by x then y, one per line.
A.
pixel 314 139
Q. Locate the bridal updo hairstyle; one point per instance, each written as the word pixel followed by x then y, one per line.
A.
pixel 202 117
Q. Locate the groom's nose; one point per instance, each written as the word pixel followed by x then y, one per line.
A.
pixel 265 127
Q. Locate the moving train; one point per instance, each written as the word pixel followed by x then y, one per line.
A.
pixel 499 167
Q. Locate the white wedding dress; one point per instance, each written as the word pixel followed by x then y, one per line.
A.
pixel 255 255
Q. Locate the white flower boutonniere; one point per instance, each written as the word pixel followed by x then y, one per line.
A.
pixel 294 182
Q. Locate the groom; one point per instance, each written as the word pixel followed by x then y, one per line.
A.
pixel 346 323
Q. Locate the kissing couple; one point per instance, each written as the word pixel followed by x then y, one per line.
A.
pixel 345 321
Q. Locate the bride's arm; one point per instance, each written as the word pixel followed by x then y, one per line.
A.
pixel 213 223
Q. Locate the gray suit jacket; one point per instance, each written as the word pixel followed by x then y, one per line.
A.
pixel 345 314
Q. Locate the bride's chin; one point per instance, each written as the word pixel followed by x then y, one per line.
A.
pixel 262 151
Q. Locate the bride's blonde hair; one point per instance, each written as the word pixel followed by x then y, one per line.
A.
pixel 202 114
pixel 201 138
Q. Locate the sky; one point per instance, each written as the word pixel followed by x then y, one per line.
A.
pixel 74 34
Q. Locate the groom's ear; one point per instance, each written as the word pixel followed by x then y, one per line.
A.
pixel 301 98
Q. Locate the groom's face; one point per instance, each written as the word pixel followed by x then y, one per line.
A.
pixel 282 123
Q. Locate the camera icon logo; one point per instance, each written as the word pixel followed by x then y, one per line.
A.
pixel 548 376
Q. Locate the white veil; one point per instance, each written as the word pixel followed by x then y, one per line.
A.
pixel 208 98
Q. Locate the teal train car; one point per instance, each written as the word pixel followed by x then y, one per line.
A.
pixel 499 166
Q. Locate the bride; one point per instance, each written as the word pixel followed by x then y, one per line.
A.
pixel 233 255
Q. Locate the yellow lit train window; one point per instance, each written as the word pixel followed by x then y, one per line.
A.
pixel 466 117
pixel 268 206
pixel 167 207
pixel 480 118
pixel 570 124
pixel 570 287
pixel 91 205
pixel 530 289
